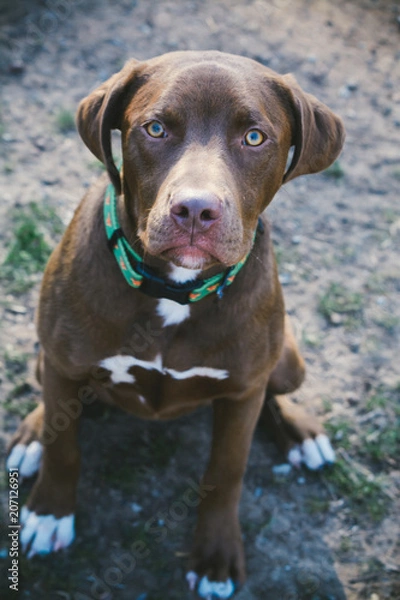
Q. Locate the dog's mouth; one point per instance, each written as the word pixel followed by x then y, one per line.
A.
pixel 190 256
pixel 198 252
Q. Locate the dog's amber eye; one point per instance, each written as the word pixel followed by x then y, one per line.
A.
pixel 155 129
pixel 254 137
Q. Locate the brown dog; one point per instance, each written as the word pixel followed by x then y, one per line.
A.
pixel 177 248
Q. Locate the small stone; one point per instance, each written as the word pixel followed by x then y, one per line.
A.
pixel 297 239
pixel 50 180
pixel 285 278
pixel 318 76
pixel 353 400
pixel 116 42
pixel 278 525
pixel 39 143
pixel 7 137
pixel 258 492
pixel 336 318
pixel 290 267
pixel 301 480
pixel 352 86
pixel 17 309
pixel 136 508
pixel 283 469
pixel 351 114
pixel 336 504
pixel 372 415
pixel 16 68
pixel 146 28
pixel 374 597
pixel 344 92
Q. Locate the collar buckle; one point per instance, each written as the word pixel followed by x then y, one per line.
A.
pixel 159 288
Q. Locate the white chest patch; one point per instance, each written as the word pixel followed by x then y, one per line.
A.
pixel 119 366
pixel 171 312
pixel 198 372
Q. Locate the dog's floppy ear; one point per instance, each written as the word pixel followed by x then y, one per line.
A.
pixel 317 136
pixel 102 111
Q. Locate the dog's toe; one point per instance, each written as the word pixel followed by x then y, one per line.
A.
pixel 325 448
pixel 311 455
pixel 15 457
pixel 314 453
pixel 25 458
pixel 215 589
pixel 31 461
pixel 210 589
pixel 295 456
pixel 43 534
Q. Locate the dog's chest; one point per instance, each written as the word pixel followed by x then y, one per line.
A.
pixel 151 388
pixel 165 370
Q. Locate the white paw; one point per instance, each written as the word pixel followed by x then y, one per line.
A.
pixel 313 453
pixel 44 533
pixel 25 458
pixel 210 589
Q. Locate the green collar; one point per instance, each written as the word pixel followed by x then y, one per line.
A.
pixel 140 276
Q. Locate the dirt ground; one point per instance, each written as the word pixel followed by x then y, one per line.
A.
pixel 324 536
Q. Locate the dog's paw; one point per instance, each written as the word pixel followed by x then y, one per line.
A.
pixel 313 453
pixel 25 458
pixel 42 534
pixel 210 589
pixel 217 564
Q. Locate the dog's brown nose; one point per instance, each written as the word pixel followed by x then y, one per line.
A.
pixel 196 213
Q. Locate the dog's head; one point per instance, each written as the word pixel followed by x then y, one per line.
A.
pixel 205 142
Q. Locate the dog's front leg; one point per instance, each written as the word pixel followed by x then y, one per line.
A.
pixel 48 517
pixel 217 556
